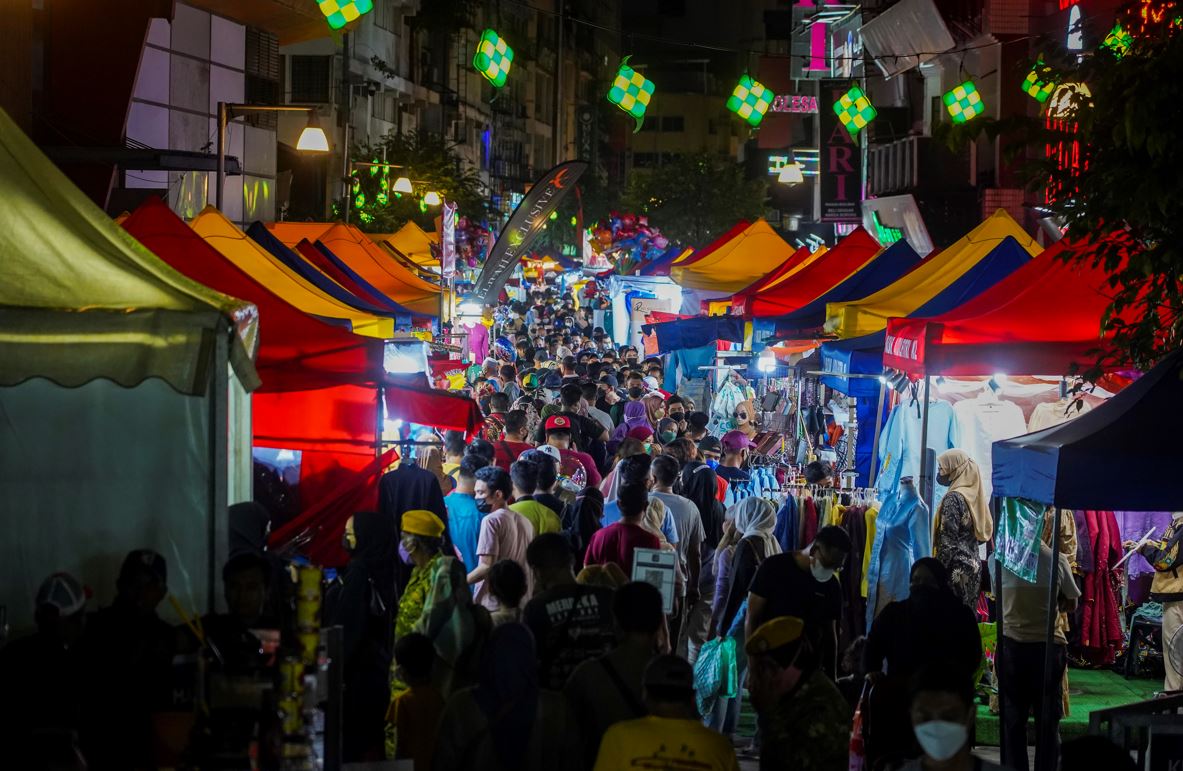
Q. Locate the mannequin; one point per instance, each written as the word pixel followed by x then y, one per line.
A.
pixel 903 534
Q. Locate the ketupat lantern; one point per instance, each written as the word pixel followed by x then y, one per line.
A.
pixel 750 100
pixel 338 13
pixel 964 103
pixel 855 110
pixel 1118 41
pixel 493 58
pixel 1038 84
pixel 631 91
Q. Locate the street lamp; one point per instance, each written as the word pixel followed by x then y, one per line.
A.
pixel 312 138
pixel 432 198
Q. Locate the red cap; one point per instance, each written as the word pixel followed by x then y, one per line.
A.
pixel 558 422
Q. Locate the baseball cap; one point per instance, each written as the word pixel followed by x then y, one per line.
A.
pixel 651 382
pixel 698 419
pixel 557 423
pixel 736 440
pixel 549 451
pixel 669 672
pixel 774 634
pixel 553 380
pixel 144 561
pixel 610 380
pixel 64 592
pixel 710 444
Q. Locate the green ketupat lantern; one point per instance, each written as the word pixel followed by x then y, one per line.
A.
pixel 338 13
pixel 750 100
pixel 855 110
pixel 493 58
pixel 1118 41
pixel 1038 84
pixel 631 91
pixel 964 103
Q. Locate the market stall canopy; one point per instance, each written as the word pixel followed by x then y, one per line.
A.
pixel 407 263
pixel 296 351
pixel 1123 455
pixel 445 410
pixel 415 243
pixel 730 267
pixel 889 266
pixel 80 299
pixel 801 258
pixel 698 254
pixel 273 273
pixel 1041 320
pixel 661 265
pixel 904 297
pixel 851 254
pixel 696 332
pixel 292 233
pixel 864 354
pixel 308 270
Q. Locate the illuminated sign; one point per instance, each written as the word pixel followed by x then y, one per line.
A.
pixel 794 103
pixel 807 159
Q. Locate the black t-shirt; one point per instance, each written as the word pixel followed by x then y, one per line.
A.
pixel 571 624
pixel 732 474
pixel 790 590
pixel 583 430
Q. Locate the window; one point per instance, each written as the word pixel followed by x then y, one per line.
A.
pixel 262 75
pixel 384 107
pixel 384 15
pixel 673 123
pixel 310 78
pixel 651 125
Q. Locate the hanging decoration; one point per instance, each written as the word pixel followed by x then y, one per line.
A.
pixel 1119 41
pixel 750 100
pixel 631 91
pixel 855 110
pixel 338 13
pixel 964 103
pixel 493 58
pixel 1039 83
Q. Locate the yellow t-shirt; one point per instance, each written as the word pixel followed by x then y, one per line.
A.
pixel 662 742
pixel 541 517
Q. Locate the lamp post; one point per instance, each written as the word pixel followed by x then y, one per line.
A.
pixel 312 138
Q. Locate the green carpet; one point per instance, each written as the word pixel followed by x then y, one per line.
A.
pixel 1089 690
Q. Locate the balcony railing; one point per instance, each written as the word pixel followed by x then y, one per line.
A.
pixel 915 163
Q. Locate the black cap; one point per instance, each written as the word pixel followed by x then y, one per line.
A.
pixel 710 444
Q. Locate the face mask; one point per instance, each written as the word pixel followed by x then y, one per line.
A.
pixel 483 506
pixel 820 573
pixel 678 416
pixel 648 446
pixel 942 480
pixel 404 555
pixel 712 463
pixel 668 436
pixel 941 739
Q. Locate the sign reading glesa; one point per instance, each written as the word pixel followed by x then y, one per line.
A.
pixel 794 103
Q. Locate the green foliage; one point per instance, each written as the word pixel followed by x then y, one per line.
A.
pixel 694 198
pixel 432 164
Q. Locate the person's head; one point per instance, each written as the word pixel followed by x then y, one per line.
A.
pixel 655 408
pixel 629 354
pixel 507 582
pixel 667 430
pixel 636 390
pixel 246 579
pixel 710 449
pixel 548 469
pixel 736 445
pixel 942 711
pixel 682 450
pixel 633 500
pixel 609 575
pixel 524 475
pixel 571 395
pixel 643 433
pixel 60 609
pixel 143 580
pixel 482 447
pixel 508 373
pixel 551 560
pixel 929 573
pixel 589 390
pixel 818 473
pixel 637 609
pixel 493 489
pixel 952 465
pixel 422 534
pixel 676 409
pixel 517 426
pixel 753 515
pixel 696 425
pixel 634 470
pixel 609 355
pixel 669 688
pixel 499 402
pixel 454 445
pixel 414 656
pixel 779 656
pixel 828 552
pixel 665 471
pixel 558 431
pixel 466 474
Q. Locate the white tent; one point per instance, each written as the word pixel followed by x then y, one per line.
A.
pixel 124 419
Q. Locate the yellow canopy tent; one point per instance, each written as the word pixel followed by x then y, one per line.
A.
pixel 733 266
pixel 252 259
pixel 414 242
pixel 870 314
pixel 291 233
pixel 378 268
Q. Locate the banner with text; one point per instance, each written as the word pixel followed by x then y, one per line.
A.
pixel 840 167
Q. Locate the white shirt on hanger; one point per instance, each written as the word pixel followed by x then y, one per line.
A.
pixel 982 421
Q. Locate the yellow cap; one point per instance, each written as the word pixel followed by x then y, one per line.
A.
pixel 421 522
pixel 774 634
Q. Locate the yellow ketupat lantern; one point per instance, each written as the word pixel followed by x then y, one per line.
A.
pixel 750 100
pixel 631 91
pixel 338 13
pixel 493 58
pixel 964 103
pixel 855 110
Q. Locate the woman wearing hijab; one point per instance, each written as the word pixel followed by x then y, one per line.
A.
pixel 755 519
pixel 963 520
pixel 506 722
pixel 635 414
pixel 654 408
pixel 628 448
pixel 931 627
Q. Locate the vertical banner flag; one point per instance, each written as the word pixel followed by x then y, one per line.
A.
pixel 448 239
pixel 840 168
pixel 523 227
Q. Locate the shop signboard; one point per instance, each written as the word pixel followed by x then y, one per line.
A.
pixel 840 172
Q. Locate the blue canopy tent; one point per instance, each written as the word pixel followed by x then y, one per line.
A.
pixel 1133 437
pixel 660 266
pixel 864 355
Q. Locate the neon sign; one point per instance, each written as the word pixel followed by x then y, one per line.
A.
pixel 795 104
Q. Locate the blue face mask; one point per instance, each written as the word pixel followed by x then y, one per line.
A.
pixel 712 463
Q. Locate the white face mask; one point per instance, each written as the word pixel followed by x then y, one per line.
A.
pixel 941 739
pixel 820 573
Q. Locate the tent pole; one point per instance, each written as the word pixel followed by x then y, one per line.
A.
pixel 998 630
pixel 926 488
pixel 875 428
pixel 380 429
pixel 219 427
pixel 1043 738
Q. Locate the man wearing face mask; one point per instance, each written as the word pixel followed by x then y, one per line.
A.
pixel 804 721
pixel 675 410
pixel 504 534
pixel 736 446
pixel 942 714
pixel 804 585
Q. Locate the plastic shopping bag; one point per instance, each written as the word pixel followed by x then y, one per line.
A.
pixel 714 673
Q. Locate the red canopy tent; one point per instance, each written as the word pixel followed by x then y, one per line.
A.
pixel 812 281
pixel 1039 320
pixel 740 299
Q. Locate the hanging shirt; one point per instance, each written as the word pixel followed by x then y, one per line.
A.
pixel 1051 414
pixel 983 421
pixel 903 534
pixel 899 449
pixel 476 345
